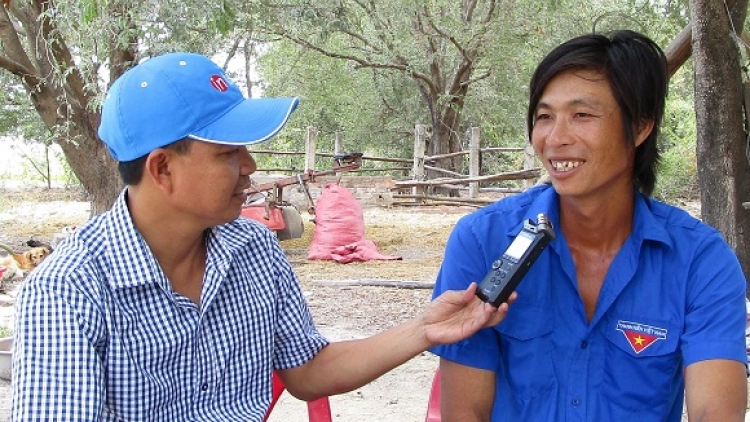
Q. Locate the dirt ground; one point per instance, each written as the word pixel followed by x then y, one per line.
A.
pixel 341 310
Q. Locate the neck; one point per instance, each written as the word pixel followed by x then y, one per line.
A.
pixel 601 225
pixel 171 239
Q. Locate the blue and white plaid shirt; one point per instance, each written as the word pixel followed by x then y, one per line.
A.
pixel 101 335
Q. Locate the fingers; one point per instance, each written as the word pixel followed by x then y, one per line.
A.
pixel 497 315
pixel 473 288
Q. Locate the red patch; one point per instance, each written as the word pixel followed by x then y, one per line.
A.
pixel 639 341
pixel 219 83
pixel 640 336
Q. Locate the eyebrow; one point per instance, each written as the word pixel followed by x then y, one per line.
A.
pixel 575 102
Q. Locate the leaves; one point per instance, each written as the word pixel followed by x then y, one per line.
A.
pixel 368 70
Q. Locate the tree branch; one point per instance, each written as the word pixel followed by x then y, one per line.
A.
pixel 484 75
pixel 360 61
pixel 490 12
pixel 469 7
pixel 681 48
pixel 61 58
pixel 17 61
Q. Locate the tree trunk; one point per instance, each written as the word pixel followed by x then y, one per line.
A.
pixel 446 123
pixel 92 164
pixel 35 51
pixel 723 167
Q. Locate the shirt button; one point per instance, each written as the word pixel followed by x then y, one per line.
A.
pixel 204 386
pixel 584 344
pixel 575 401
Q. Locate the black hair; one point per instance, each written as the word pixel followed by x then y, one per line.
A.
pixel 131 171
pixel 636 69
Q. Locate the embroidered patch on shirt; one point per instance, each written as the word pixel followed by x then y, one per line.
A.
pixel 640 336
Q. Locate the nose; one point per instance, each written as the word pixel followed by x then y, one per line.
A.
pixel 557 133
pixel 247 163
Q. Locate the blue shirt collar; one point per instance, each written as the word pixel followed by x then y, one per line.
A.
pixel 645 225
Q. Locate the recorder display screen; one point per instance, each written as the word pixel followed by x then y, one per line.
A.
pixel 518 247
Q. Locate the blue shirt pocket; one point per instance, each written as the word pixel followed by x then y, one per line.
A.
pixel 639 338
pixel 643 364
pixel 526 349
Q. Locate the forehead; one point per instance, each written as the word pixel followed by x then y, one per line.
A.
pixel 578 87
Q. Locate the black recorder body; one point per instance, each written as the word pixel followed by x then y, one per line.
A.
pixel 508 270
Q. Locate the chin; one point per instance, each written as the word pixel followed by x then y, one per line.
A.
pixel 225 217
pixel 564 189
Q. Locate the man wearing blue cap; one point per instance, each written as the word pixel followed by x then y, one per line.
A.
pixel 168 307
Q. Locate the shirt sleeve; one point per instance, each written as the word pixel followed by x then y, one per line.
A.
pixel 715 316
pixel 297 340
pixel 57 371
pixel 464 262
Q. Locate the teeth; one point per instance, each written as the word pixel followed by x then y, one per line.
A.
pixel 565 165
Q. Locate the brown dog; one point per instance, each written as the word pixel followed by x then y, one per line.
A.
pixel 28 260
pixel 36 255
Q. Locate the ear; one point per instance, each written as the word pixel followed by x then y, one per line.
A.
pixel 158 168
pixel 27 255
pixel 644 130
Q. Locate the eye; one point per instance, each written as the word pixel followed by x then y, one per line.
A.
pixel 542 116
pixel 584 115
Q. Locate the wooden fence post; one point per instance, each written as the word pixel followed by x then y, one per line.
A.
pixel 419 152
pixel 337 144
pixel 312 137
pixel 528 163
pixel 474 157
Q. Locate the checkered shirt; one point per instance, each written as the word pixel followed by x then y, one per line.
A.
pixel 101 335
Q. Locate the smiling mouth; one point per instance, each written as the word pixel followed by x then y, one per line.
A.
pixel 564 166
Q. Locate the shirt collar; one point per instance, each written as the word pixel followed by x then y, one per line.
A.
pixel 130 258
pixel 547 202
pixel 132 262
pixel 645 224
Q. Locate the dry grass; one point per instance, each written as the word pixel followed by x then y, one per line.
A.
pixel 417 236
pixel 38 213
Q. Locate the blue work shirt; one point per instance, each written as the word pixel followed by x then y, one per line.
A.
pixel 674 295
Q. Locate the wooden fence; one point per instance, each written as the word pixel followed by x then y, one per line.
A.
pixel 416 170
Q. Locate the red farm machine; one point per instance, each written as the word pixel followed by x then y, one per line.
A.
pixel 267 205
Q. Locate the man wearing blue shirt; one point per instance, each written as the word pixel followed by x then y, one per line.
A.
pixel 635 307
pixel 170 308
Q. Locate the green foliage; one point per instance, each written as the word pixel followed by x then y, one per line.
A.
pixel 365 108
pixel 678 174
pixel 376 108
pixel 5 331
pixel 677 177
pixel 222 20
pixel 353 64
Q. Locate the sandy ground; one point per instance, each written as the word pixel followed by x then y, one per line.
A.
pixel 398 396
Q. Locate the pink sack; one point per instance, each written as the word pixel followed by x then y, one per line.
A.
pixel 339 223
pixel 364 250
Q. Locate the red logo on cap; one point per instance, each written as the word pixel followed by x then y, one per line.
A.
pixel 219 83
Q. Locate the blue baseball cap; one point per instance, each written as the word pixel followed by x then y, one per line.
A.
pixel 184 95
